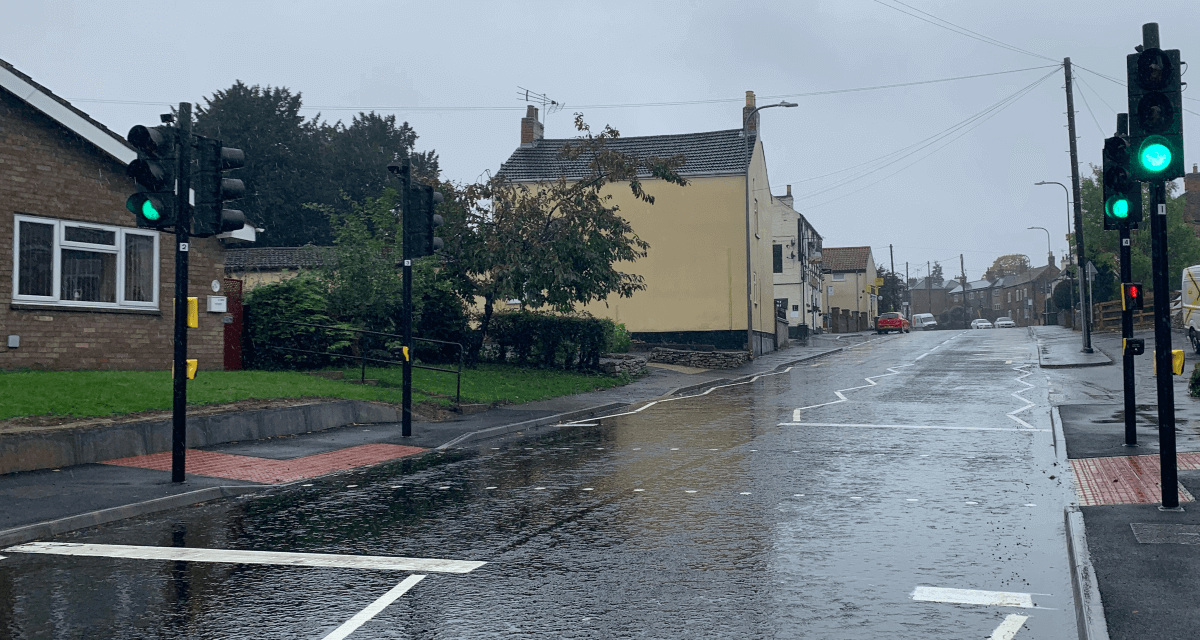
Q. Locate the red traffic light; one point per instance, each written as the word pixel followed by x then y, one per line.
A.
pixel 1132 296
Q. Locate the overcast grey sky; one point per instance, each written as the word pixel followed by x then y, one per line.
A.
pixel 124 62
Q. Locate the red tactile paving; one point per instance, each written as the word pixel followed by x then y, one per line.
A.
pixel 266 471
pixel 1126 479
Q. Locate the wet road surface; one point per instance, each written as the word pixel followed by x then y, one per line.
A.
pixel 904 488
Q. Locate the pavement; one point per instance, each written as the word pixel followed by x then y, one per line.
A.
pixel 47 502
pixel 1143 561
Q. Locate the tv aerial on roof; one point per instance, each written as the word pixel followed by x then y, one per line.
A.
pixel 548 106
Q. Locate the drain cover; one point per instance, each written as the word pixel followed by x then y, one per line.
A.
pixel 1166 533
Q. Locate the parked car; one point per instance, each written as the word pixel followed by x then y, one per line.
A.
pixel 981 324
pixel 1005 322
pixel 924 321
pixel 892 321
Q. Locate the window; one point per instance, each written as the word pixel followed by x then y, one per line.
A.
pixel 839 277
pixel 82 264
pixel 777 258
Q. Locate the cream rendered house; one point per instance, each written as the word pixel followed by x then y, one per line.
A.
pixel 795 265
pixel 850 284
pixel 708 274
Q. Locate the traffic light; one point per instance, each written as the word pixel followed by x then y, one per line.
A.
pixel 155 172
pixel 420 222
pixel 210 216
pixel 1132 296
pixel 1122 194
pixel 1155 114
pixel 1133 346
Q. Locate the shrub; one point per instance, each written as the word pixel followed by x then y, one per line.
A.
pixel 438 314
pixel 552 340
pixel 267 338
pixel 619 340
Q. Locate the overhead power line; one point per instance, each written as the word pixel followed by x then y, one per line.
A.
pixel 935 143
pixel 962 31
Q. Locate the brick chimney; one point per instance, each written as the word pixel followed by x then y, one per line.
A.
pixel 531 129
pixel 787 199
pixel 752 125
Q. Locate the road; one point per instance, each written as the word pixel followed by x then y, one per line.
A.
pixel 906 487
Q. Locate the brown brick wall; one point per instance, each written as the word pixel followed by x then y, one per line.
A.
pixel 49 171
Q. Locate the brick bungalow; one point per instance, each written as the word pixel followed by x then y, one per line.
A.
pixel 81 286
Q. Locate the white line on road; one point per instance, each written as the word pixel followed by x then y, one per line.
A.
pixel 1017 395
pixel 236 556
pixel 1009 628
pixel 906 426
pixel 841 398
pixel 350 626
pixel 973 596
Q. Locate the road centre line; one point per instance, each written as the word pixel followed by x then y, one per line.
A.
pixel 236 556
pixel 907 426
pixel 1009 628
pixel 350 626
pixel 974 596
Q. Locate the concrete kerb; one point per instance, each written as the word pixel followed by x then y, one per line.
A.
pixel 19 535
pixel 1089 610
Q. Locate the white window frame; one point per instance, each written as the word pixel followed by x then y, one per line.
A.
pixel 60 243
pixel 839 277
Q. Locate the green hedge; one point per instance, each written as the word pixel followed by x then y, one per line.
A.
pixel 552 340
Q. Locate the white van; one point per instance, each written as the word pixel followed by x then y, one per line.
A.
pixel 1190 305
pixel 926 322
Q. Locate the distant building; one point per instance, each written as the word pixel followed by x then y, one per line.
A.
pixel 796 255
pixel 267 265
pixel 850 288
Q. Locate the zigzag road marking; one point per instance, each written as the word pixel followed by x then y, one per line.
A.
pixel 841 398
pixel 1017 394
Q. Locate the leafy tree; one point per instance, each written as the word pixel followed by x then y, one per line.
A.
pixel 892 292
pixel 1007 265
pixel 556 243
pixel 1101 247
pixel 936 276
pixel 284 167
pixel 292 161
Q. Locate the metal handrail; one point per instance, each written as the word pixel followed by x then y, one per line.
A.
pixel 363 359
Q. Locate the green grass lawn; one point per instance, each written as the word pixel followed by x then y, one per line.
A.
pixel 104 393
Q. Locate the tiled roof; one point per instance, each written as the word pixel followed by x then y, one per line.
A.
pixel 845 258
pixel 707 153
pixel 44 100
pixel 271 258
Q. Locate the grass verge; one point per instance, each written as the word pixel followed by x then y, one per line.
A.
pixel 106 393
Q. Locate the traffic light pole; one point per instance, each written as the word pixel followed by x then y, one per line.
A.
pixel 182 226
pixel 407 206
pixel 1127 332
pixel 1163 369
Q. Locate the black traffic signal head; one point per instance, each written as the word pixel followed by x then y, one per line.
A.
pixel 1122 194
pixel 213 189
pixel 420 220
pixel 155 173
pixel 1155 114
pixel 1133 296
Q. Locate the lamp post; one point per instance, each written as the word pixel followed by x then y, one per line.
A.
pixel 749 264
pixel 1083 320
pixel 1046 292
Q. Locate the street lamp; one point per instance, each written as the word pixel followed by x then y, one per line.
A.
pixel 1046 293
pixel 749 265
pixel 1087 335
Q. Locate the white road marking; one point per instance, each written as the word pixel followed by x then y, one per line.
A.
pixel 972 502
pixel 539 488
pixel 1030 504
pixel 689 491
pixel 237 556
pixel 921 356
pixel 1009 628
pixel 797 495
pixel 351 486
pixel 350 626
pixel 489 487
pixel 639 489
pixel 1017 395
pixel 745 493
pixel 841 398
pixel 907 426
pixel 911 499
pixel 588 489
pixel 973 596
pixel 306 485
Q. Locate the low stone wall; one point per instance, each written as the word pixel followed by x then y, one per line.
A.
pixel 615 364
pixel 55 448
pixel 700 359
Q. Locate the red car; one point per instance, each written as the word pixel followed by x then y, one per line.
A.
pixel 891 321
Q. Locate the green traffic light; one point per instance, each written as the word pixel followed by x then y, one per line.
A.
pixel 148 210
pixel 1118 208
pixel 1155 157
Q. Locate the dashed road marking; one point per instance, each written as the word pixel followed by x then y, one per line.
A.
pixel 639 490
pixel 745 493
pixel 689 491
pixel 238 556
pixel 589 489
pixel 973 596
pixel 350 626
pixel 489 487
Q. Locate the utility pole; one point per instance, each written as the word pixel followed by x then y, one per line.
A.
pixel 966 309
pixel 892 272
pixel 929 285
pixel 1084 313
pixel 183 225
